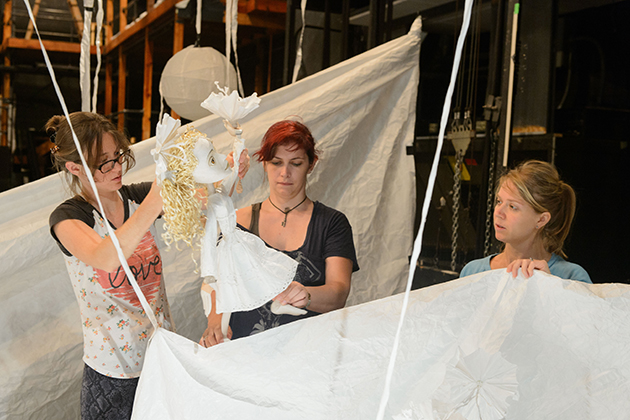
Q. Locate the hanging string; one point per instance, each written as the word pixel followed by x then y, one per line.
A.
pixel 85 59
pixel 231 28
pixel 198 23
pixel 298 54
pixel 474 74
pixel 476 63
pixel 460 78
pixel 97 40
pixel 417 247
pixel 89 101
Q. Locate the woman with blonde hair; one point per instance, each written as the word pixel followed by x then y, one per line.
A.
pixel 532 217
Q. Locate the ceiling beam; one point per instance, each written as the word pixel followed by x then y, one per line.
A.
pixel 136 27
pixel 33 44
pixel 274 6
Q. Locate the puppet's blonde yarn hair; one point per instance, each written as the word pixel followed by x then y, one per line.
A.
pixel 181 205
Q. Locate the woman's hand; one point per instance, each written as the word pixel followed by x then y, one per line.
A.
pixel 527 266
pixel 154 198
pixel 295 295
pixel 243 162
pixel 213 335
pixel 84 243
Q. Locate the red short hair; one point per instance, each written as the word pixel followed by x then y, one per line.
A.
pixel 284 133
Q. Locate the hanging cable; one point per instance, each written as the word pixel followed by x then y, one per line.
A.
pixel 97 40
pixel 231 28
pixel 457 182
pixel 298 53
pixel 85 59
pixel 417 248
pixel 490 195
pixel 463 126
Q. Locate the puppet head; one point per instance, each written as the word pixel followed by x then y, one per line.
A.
pixel 192 164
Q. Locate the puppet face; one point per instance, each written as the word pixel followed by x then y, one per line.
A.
pixel 212 166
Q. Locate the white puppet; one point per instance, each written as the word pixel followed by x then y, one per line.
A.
pixel 243 271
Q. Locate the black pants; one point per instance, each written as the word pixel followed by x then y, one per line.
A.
pixel 103 397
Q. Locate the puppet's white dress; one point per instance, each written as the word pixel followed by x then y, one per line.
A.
pixel 248 272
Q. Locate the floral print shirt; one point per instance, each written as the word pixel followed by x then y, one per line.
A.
pixel 115 326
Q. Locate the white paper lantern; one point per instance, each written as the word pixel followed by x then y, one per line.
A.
pixel 188 79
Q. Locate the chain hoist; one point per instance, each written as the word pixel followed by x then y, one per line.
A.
pixel 490 196
pixel 457 182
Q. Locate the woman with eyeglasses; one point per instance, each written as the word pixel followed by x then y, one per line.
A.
pixel 115 327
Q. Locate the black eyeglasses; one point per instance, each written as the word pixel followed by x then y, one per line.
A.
pixel 107 166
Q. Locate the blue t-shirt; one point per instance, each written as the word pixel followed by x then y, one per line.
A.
pixel 558 266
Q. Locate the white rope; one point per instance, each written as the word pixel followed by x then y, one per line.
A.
pixel 97 38
pixel 198 18
pixel 417 246
pixel 510 92
pixel 110 230
pixel 84 60
pixel 231 29
pixel 298 53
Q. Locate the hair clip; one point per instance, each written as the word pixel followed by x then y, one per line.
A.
pixel 53 136
pixel 54 150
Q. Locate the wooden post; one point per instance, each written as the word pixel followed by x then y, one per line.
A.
pixel 29 28
pixel 109 21
pixel 6 28
pixel 178 36
pixel 122 87
pixel 75 11
pixel 6 85
pixel 6 96
pixel 122 15
pixel 148 85
pixel 108 87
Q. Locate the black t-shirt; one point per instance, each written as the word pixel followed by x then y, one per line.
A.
pixel 78 208
pixel 329 234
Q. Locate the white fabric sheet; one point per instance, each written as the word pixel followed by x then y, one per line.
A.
pixel 483 347
pixel 361 112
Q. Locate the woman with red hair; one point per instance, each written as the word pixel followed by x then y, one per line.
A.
pixel 319 238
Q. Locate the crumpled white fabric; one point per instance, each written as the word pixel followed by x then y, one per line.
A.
pixel 166 134
pixel 544 348
pixel 478 386
pixel 248 273
pixel 230 107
